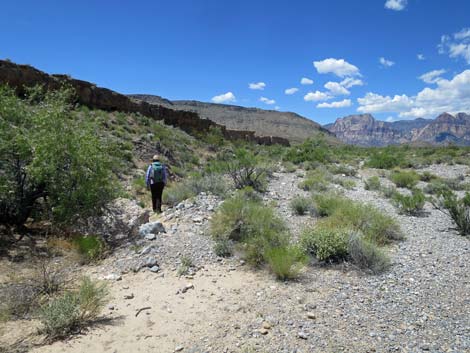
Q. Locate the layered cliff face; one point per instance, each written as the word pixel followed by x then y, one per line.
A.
pixel 364 130
pixel 263 122
pixel 88 94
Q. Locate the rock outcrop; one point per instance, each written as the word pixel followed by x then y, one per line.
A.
pixel 264 122
pixel 21 76
pixel 364 130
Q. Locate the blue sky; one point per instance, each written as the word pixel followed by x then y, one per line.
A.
pixel 212 50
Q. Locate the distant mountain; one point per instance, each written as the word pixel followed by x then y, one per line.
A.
pixel 365 130
pixel 264 122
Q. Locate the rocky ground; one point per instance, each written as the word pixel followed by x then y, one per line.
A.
pixel 221 305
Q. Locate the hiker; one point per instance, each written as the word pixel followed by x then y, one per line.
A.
pixel 155 179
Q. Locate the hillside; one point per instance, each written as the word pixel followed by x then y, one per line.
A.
pixel 365 130
pixel 264 122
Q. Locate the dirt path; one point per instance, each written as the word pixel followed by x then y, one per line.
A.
pixel 421 304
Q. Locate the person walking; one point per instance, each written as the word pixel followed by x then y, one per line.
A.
pixel 156 179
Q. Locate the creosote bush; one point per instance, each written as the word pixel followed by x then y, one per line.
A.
pixel 301 205
pixel 316 180
pixel 256 229
pixel 90 247
pixel 404 179
pixel 373 183
pixel 367 255
pixel 74 309
pixel 286 262
pixel 410 204
pixel 457 209
pixel 326 244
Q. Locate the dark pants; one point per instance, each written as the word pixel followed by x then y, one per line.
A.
pixel 157 190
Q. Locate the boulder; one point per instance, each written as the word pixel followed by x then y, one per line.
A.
pixel 151 228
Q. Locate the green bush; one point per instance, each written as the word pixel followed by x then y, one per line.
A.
pixel 173 194
pixel 57 155
pixel 427 176
pixel 367 255
pixel 326 244
pixel 410 204
pixel 345 183
pixel 344 170
pixel 316 180
pixel 301 205
pixel 223 248
pixel 457 209
pixel 345 213
pixel 436 187
pixel 285 262
pixel 373 183
pixel 73 310
pixel 388 191
pixel 90 247
pixel 404 179
pixel 384 160
pixel 256 227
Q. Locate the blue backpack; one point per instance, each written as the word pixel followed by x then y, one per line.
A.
pixel 156 173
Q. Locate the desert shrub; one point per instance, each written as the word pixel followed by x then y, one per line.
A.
pixel 246 169
pixel 345 183
pixel 345 213
pixel 404 179
pixel 373 183
pixel 367 255
pixel 289 167
pixel 315 149
pixel 325 243
pixel 45 150
pixel 285 262
pixel 186 263
pixel 457 209
pixel 384 160
pixel 223 248
pixel 74 309
pixel 427 176
pixel 173 194
pixel 301 205
pixel 388 191
pixel 343 169
pixel 18 300
pixel 410 204
pixel 436 187
pixel 454 183
pixel 316 180
pixel 254 226
pixel 90 247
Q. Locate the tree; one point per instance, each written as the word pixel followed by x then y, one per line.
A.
pixel 49 154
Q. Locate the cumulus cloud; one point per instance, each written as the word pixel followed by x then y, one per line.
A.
pixel 386 63
pixel 336 89
pixel 396 5
pixel 224 98
pixel 339 67
pixel 290 91
pixel 257 86
pixel 277 107
pixel 306 81
pixel 341 104
pixel 449 96
pixel 432 76
pixel 267 100
pixel 420 57
pixel 349 82
pixel 316 96
pixel 390 119
pixel 457 45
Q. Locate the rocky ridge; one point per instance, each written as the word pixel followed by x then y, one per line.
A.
pixel 365 130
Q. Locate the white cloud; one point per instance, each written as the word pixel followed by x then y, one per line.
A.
pixel 306 81
pixel 290 91
pixel 257 86
pixel 385 62
pixel 349 82
pixel 373 103
pixel 432 76
pixel 316 96
pixel 457 45
pixel 277 107
pixel 339 67
pixel 420 57
pixel 336 89
pixel 396 5
pixel 341 104
pixel 224 98
pixel 390 119
pixel 267 100
pixel 449 96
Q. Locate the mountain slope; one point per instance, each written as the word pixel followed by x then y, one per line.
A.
pixel 365 130
pixel 264 122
